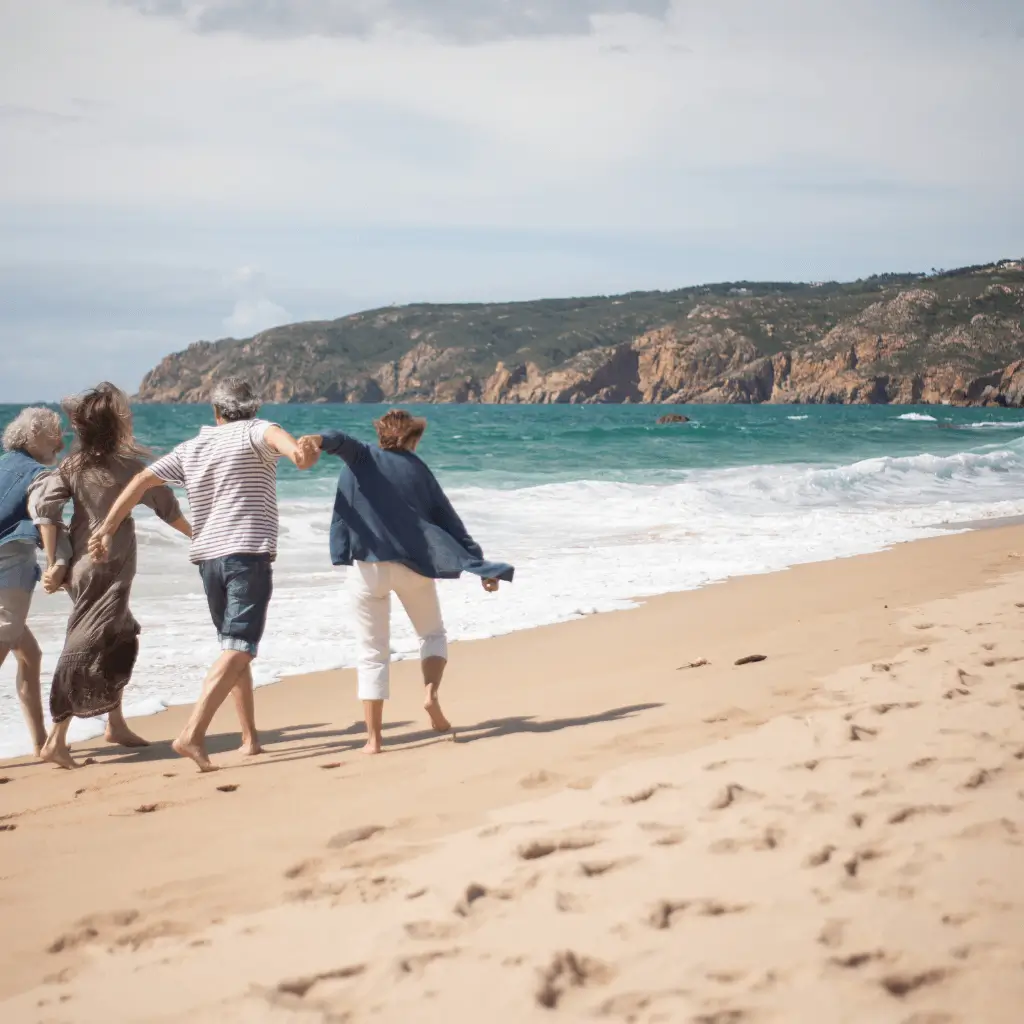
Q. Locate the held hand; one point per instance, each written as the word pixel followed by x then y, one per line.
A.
pixel 53 578
pixel 490 585
pixel 309 451
pixel 99 547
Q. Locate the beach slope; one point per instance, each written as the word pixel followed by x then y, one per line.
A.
pixel 833 833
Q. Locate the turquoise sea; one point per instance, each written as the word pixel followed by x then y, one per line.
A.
pixel 596 506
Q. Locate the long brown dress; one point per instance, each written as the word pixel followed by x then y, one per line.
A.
pixel 103 637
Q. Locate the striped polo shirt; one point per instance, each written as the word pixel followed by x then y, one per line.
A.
pixel 230 475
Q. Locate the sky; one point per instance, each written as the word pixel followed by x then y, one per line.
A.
pixel 177 170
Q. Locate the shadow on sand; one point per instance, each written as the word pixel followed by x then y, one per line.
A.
pixel 299 742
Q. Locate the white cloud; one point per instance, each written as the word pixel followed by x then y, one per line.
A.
pixel 253 311
pixel 250 316
pixel 462 20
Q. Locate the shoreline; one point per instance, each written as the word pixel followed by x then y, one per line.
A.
pixel 537 711
pixel 95 727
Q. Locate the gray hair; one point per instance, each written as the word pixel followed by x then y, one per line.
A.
pixel 31 423
pixel 234 398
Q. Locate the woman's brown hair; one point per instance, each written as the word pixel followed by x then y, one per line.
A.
pixel 102 420
pixel 397 429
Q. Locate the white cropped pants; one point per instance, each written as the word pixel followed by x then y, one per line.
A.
pixel 371 585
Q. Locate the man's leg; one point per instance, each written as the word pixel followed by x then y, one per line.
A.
pixel 418 595
pixel 249 585
pixel 29 658
pixel 371 599
pixel 245 706
pixel 222 678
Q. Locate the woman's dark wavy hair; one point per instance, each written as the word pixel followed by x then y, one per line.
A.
pixel 102 421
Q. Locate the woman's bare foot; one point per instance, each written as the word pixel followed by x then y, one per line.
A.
pixel 124 737
pixel 250 748
pixel 194 751
pixel 374 745
pixel 57 753
pixel 437 720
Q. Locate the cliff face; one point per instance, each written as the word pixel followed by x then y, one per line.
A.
pixel 957 337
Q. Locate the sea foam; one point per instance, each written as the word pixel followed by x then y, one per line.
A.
pixel 579 547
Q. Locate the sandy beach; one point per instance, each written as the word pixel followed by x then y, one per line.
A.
pixel 829 834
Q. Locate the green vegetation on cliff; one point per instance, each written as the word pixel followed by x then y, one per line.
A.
pixel 885 338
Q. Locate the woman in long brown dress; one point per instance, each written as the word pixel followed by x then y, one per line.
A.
pixel 103 637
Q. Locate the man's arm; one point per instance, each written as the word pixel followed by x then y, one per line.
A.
pixel 335 442
pixel 99 542
pixel 280 441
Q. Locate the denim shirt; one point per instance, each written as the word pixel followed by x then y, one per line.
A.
pixel 389 507
pixel 17 473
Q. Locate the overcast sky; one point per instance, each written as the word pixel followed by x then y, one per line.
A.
pixel 182 169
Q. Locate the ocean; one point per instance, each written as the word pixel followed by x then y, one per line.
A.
pixel 596 506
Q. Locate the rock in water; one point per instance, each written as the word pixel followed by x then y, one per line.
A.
pixel 673 417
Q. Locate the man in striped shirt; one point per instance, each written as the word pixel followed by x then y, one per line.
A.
pixel 230 474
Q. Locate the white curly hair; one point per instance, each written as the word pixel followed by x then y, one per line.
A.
pixel 31 423
pixel 234 398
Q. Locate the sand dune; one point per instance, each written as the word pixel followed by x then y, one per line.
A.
pixel 854 857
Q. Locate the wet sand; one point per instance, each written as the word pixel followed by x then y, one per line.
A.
pixel 832 833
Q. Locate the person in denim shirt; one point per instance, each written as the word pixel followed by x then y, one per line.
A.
pixel 31 443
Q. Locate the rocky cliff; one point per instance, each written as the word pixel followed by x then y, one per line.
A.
pixel 955 336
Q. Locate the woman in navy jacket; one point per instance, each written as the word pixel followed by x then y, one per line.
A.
pixel 395 526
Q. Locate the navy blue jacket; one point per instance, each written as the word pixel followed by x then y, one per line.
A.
pixel 389 507
pixel 17 471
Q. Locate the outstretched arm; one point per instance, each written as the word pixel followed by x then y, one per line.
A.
pixel 334 442
pixel 280 441
pixel 99 542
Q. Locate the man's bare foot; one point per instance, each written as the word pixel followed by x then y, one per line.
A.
pixel 437 720
pixel 250 748
pixel 374 745
pixel 196 752
pixel 124 737
pixel 58 754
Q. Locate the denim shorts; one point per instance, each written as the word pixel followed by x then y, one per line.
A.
pixel 238 589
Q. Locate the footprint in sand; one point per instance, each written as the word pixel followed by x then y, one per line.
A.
pixel 417 965
pixel 569 903
pixel 301 987
pixel 906 813
pixel 594 869
pixel 853 961
pixel 853 864
pixel 819 857
pixel 4 780
pixel 227 789
pixel 7 827
pixel 353 835
pixel 424 930
pixel 540 779
pixel 731 794
pixel 901 985
pixel 721 1017
pixel 545 847
pixel 147 808
pixel 643 795
pixel 859 733
pixel 663 916
pixel 567 971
